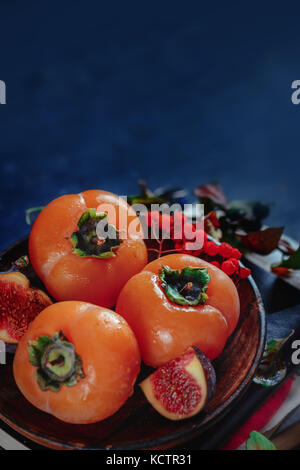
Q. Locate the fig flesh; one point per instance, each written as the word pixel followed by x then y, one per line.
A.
pixel 182 387
pixel 19 305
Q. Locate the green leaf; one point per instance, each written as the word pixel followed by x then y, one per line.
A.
pixel 36 349
pixel 45 383
pixel 30 211
pixel 258 441
pixel 293 262
pixel 145 200
pixel 146 197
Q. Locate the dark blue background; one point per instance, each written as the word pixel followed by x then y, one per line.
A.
pixel 100 94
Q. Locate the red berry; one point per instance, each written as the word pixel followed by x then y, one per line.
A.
pixel 228 267
pixel 244 272
pixel 236 254
pixel 211 248
pixel 225 250
pixel 179 245
pixel 215 263
pixel 235 262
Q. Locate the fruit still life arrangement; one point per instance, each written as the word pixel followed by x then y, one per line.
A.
pixel 96 319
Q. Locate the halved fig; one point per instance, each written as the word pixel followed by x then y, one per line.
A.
pixel 182 387
pixel 19 305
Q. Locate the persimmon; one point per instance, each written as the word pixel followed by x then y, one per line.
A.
pixel 70 258
pixel 77 361
pixel 179 301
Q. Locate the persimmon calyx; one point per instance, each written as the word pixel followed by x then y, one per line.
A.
pixel 57 362
pixel 187 286
pixel 86 241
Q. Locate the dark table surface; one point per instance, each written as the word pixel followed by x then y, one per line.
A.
pixel 280 322
pixel 100 94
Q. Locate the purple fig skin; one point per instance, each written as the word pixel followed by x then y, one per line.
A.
pixel 209 371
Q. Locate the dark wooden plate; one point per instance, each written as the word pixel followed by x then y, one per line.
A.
pixel 137 425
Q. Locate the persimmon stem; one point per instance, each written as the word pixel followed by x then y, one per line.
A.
pixel 56 360
pixel 86 242
pixel 187 286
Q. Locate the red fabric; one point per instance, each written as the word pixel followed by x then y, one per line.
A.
pixel 261 417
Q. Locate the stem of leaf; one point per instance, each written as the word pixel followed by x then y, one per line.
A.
pixel 30 211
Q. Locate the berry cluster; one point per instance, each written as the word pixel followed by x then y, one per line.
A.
pixel 223 255
pixel 226 258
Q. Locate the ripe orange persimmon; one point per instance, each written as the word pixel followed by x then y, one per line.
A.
pixel 77 361
pixel 179 301
pixel 70 258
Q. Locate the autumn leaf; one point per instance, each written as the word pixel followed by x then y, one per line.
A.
pixel 262 242
pixel 281 272
pixel 212 194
